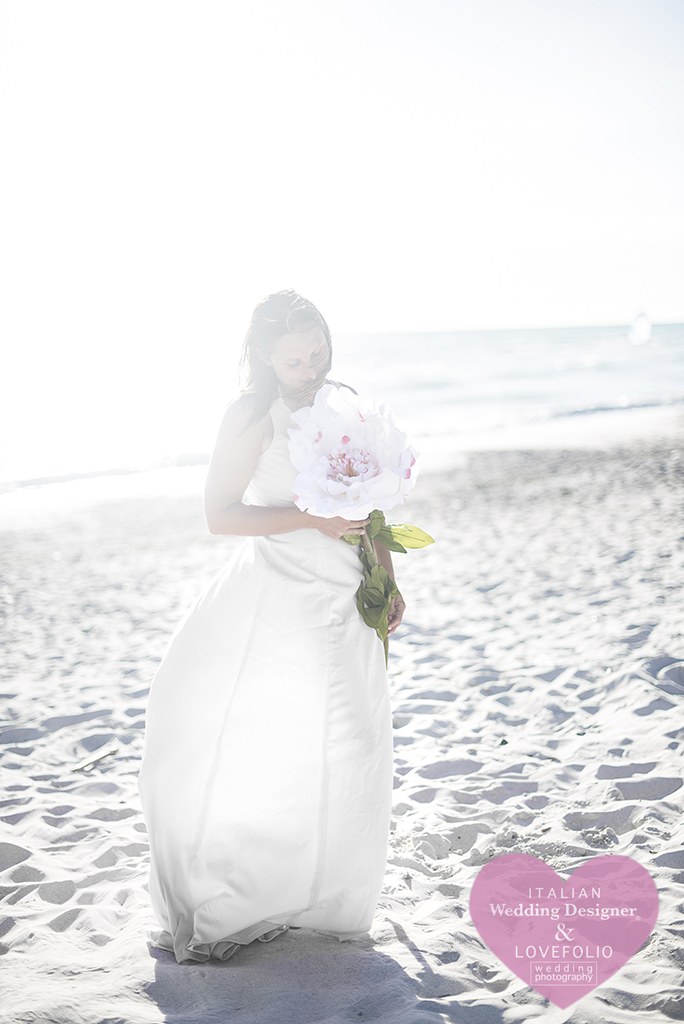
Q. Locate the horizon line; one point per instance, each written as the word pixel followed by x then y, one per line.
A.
pixel 502 330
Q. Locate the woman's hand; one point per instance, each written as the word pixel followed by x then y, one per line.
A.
pixel 396 613
pixel 338 527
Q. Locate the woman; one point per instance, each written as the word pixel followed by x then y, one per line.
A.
pixel 267 771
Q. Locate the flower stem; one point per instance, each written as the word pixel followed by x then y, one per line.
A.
pixel 369 548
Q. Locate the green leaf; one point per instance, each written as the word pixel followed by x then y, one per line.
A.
pixel 409 536
pixel 377 618
pixel 377 521
pixel 374 596
pixel 384 536
pixel 373 615
pixel 372 600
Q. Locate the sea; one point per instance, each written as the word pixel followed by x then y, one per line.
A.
pixel 446 388
pixel 487 381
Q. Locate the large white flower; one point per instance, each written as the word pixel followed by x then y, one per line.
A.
pixel 350 455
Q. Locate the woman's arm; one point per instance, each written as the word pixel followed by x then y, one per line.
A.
pixel 232 466
pixel 397 608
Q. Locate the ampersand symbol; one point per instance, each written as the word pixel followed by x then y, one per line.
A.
pixel 562 934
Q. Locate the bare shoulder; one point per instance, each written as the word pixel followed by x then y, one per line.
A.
pixel 241 417
pixel 240 440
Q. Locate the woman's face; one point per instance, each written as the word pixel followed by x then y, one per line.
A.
pixel 300 362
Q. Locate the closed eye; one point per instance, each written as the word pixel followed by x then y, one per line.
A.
pixel 316 357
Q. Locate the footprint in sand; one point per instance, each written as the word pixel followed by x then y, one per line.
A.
pixel 20 735
pixel 620 820
pixel 624 771
pixel 56 816
pixel 115 854
pixel 112 813
pixel 57 892
pixel 444 695
pixel 65 920
pixel 25 873
pixel 61 721
pixel 11 855
pixel 648 789
pixel 448 769
pixel 656 705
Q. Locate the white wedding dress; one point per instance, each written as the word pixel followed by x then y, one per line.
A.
pixel 267 770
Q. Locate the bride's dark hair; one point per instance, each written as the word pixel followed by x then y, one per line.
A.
pixel 277 314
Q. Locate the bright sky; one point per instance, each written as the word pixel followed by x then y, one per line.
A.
pixel 408 165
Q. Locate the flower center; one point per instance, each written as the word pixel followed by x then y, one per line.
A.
pixel 350 462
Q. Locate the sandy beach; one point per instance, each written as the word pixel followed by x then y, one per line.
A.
pixel 538 699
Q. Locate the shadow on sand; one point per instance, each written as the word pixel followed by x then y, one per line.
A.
pixel 299 978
